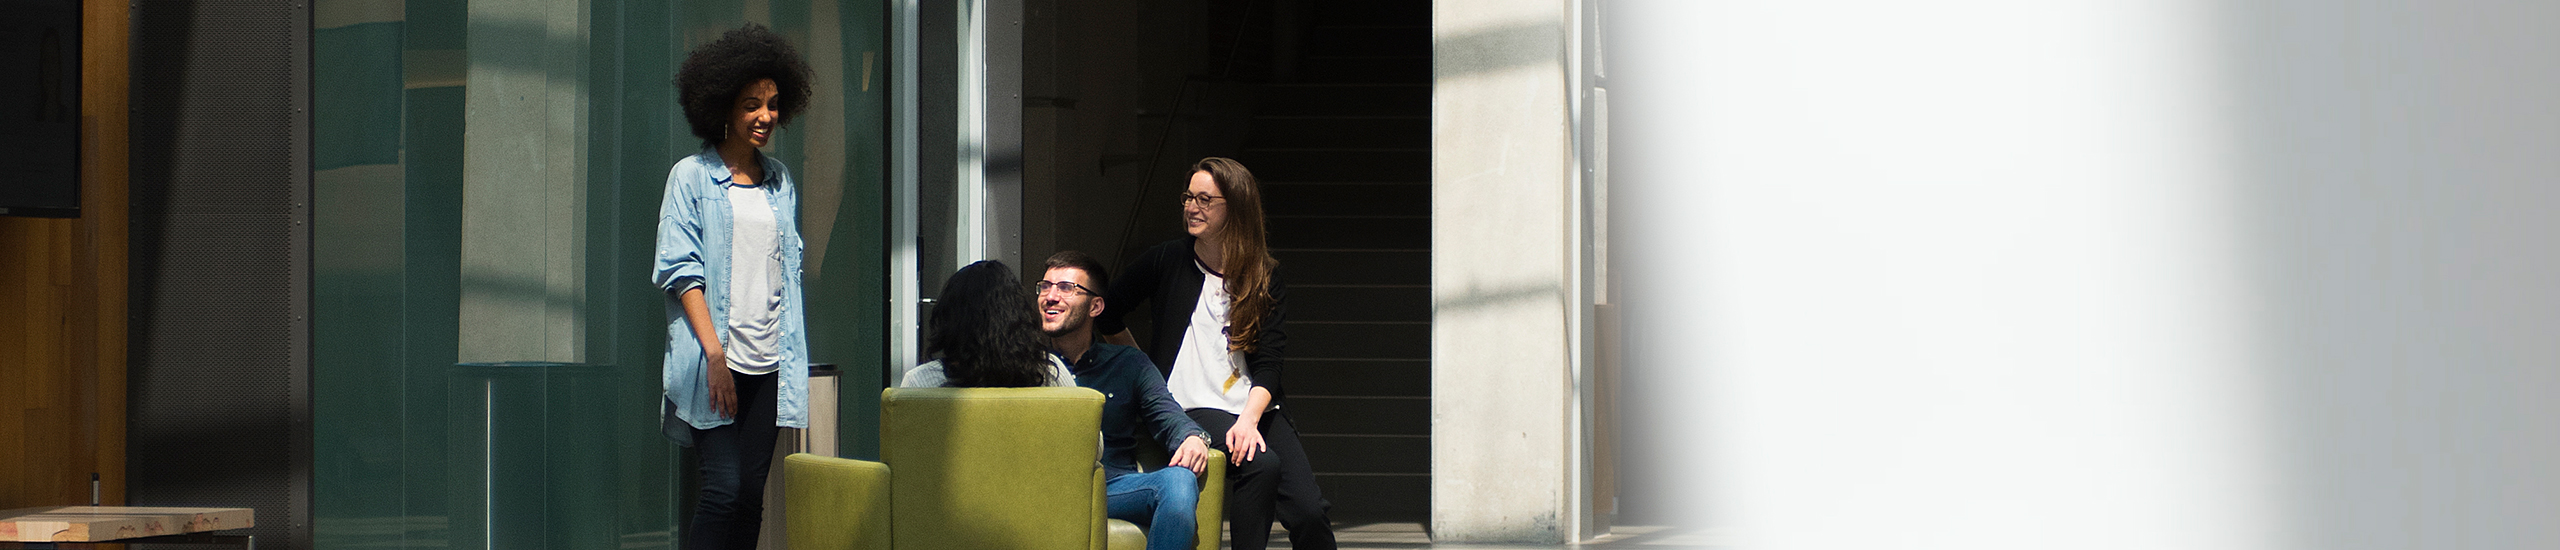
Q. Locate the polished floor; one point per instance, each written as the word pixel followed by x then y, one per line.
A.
pixel 434 532
pixel 1361 536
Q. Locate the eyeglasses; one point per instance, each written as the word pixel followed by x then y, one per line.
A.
pixel 1043 287
pixel 1199 199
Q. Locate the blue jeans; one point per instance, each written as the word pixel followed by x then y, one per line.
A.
pixel 735 459
pixel 1161 502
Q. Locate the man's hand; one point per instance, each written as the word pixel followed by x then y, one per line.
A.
pixel 1194 454
pixel 724 395
pixel 1243 440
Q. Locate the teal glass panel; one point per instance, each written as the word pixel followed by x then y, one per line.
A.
pixel 413 450
pixel 359 63
pixel 851 292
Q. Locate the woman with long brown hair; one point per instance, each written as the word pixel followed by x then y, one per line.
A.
pixel 1219 307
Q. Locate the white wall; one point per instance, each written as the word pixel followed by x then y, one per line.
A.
pixel 2108 274
pixel 1505 283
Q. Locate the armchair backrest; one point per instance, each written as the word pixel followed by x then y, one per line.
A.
pixel 992 467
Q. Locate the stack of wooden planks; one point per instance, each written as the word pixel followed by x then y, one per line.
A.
pixel 108 523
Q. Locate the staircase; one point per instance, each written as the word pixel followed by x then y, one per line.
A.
pixel 1344 153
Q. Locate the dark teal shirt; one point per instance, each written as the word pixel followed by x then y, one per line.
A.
pixel 1133 399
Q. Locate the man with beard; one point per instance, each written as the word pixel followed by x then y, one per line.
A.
pixel 1134 397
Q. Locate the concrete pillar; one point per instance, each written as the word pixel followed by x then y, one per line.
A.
pixel 1510 280
pixel 524 197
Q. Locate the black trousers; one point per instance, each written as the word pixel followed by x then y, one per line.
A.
pixel 1278 481
pixel 735 459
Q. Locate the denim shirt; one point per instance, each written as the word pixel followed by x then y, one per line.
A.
pixel 693 252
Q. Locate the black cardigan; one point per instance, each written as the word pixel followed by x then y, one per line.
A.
pixel 1165 277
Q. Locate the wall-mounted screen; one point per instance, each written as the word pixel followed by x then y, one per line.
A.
pixel 40 107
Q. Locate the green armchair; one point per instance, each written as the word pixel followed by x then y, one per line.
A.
pixel 970 468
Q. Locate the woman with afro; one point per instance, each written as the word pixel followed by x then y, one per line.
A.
pixel 728 259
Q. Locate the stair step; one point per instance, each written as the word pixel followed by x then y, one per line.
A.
pixel 1359 377
pixel 1344 454
pixel 1318 415
pixel 1347 100
pixel 1359 341
pixel 1352 232
pixel 1346 199
pixel 1373 498
pixel 1370 12
pixel 1338 266
pixel 1340 132
pixel 1396 166
pixel 1366 70
pixel 1368 40
pixel 1340 303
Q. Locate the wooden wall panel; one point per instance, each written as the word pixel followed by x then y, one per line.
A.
pixel 62 304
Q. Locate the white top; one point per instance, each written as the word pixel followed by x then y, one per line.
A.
pixel 755 283
pixel 1205 375
pixel 929 375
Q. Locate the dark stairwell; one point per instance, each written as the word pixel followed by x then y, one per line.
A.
pixel 1329 103
pixel 1341 139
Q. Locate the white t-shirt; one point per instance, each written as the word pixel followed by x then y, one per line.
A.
pixel 1205 375
pixel 755 283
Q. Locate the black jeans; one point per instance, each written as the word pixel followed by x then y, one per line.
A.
pixel 1278 481
pixel 735 459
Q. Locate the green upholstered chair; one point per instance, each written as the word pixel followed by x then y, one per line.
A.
pixel 834 503
pixel 970 468
pixel 1213 490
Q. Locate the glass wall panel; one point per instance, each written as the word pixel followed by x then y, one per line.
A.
pixel 488 178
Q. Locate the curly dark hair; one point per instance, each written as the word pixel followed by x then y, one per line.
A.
pixel 708 83
pixel 987 329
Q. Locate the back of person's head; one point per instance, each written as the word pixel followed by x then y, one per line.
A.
pixel 1093 272
pixel 987 329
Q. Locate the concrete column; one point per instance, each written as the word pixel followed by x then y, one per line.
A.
pixel 524 174
pixel 1510 276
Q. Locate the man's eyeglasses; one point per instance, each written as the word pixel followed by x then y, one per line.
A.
pixel 1199 199
pixel 1043 287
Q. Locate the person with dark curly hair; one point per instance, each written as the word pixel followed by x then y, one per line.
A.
pixel 728 259
pixel 987 331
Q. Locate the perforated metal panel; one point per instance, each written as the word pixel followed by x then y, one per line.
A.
pixel 219 366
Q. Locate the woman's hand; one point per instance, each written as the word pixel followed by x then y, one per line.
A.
pixel 715 364
pixel 1244 439
pixel 1121 338
pixel 715 373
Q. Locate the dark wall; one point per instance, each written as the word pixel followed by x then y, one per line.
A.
pixel 1118 99
pixel 220 261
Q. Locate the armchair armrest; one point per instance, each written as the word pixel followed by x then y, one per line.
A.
pixel 1212 513
pixel 835 503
